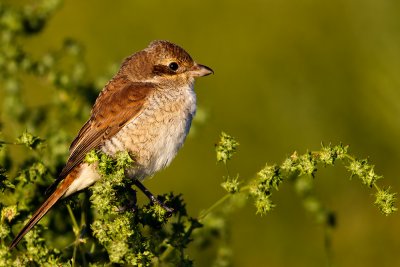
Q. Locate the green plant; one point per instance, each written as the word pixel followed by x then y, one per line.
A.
pixel 107 225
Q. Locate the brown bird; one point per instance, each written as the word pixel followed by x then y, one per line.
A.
pixel 145 109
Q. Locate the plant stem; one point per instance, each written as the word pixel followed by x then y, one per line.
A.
pixel 73 219
pixel 220 201
pixel 166 253
pixel 75 228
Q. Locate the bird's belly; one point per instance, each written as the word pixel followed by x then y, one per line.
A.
pixel 165 146
pixel 153 149
pixel 153 138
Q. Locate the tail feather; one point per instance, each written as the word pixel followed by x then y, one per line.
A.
pixel 44 208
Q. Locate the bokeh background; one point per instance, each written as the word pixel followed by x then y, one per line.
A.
pixel 288 75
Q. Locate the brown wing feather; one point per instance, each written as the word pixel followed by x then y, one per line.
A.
pixel 119 102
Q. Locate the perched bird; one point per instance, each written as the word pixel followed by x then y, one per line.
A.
pixel 145 109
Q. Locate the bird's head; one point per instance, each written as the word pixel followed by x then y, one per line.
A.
pixel 164 62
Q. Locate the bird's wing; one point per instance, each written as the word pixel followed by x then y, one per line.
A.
pixel 116 105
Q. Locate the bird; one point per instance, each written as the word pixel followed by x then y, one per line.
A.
pixel 146 109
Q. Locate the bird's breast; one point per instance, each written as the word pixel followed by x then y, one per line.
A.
pixel 157 133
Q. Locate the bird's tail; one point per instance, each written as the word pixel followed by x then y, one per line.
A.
pixel 45 207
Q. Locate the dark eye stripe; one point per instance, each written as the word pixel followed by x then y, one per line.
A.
pixel 162 70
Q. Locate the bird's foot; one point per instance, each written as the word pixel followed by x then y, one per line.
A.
pixel 153 199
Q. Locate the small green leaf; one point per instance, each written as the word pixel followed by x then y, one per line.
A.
pixel 226 148
pixel 385 201
pixel 231 185
pixel 29 140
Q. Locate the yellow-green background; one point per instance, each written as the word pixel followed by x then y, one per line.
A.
pixel 288 75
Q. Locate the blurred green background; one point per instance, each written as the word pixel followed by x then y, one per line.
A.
pixel 288 75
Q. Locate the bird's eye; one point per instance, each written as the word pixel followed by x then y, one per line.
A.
pixel 173 66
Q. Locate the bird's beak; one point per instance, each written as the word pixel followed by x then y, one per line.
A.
pixel 199 70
